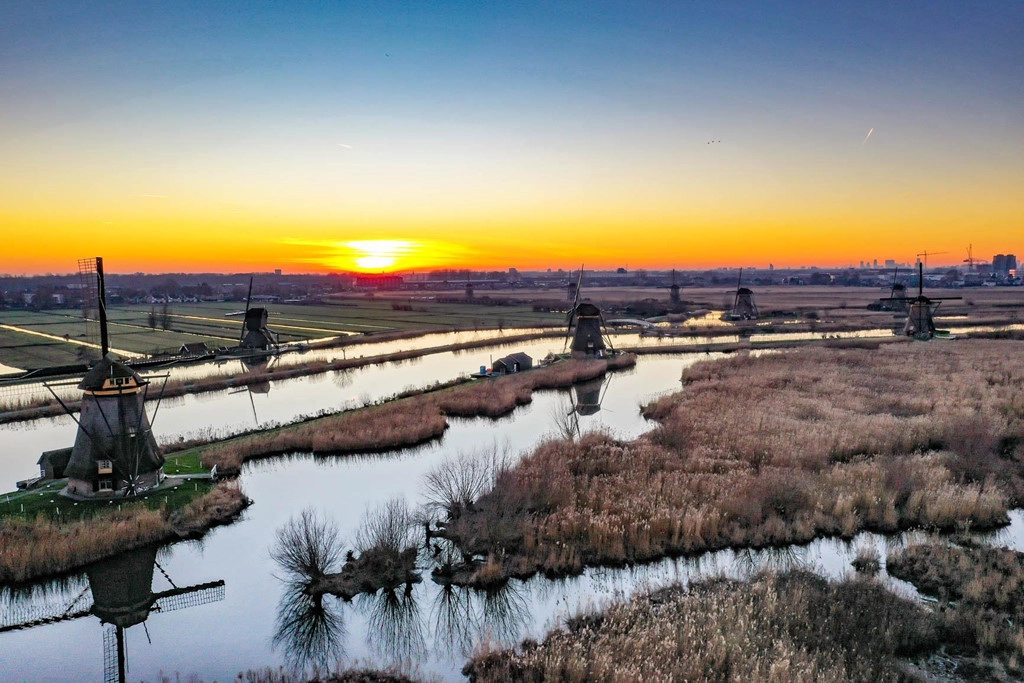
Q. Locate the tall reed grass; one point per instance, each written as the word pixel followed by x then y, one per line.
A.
pixel 785 628
pixel 32 548
pixel 773 449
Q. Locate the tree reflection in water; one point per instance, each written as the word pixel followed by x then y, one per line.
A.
pixel 394 625
pixel 310 625
pixel 464 617
pixel 310 628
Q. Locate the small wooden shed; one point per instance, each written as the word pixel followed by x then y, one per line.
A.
pixel 516 362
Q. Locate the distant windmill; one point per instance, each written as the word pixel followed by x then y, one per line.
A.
pixel 920 318
pixel 585 327
pixel 255 335
pixel 743 305
pixel 114 449
pixel 673 290
pixel 122 596
pixel 896 301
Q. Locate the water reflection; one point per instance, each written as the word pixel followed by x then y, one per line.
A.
pixel 118 591
pixel 395 629
pixel 310 629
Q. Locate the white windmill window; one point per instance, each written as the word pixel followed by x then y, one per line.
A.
pixel 105 485
pixel 104 466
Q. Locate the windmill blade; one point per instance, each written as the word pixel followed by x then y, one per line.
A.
pixel 248 300
pixel 579 286
pixel 604 391
pixel 40 615
pixel 191 596
pixel 252 402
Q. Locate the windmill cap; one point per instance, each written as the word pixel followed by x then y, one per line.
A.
pixel 108 368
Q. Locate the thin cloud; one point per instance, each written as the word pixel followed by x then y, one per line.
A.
pixel 344 146
pixel 866 137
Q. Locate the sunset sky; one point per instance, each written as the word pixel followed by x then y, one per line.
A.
pixel 237 136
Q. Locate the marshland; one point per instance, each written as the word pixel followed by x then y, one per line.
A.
pixel 694 467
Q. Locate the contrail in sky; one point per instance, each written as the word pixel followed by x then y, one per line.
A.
pixel 343 145
pixel 866 137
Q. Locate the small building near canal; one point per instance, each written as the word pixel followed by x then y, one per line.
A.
pixel 516 362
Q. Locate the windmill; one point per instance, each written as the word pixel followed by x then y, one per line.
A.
pixel 122 595
pixel 588 338
pixel 255 336
pixel 673 290
pixel 897 300
pixel 743 306
pixel 114 447
pixel 920 317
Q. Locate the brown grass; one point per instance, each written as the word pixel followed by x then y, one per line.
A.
pixel 405 422
pixel 786 628
pixel 981 593
pixel 39 547
pixel 771 450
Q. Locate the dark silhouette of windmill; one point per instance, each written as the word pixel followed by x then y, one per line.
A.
pixel 585 326
pixel 897 301
pixel 673 290
pixel 122 596
pixel 114 449
pixel 743 304
pixel 256 336
pixel 920 316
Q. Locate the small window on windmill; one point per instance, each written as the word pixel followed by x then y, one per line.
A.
pixel 104 466
pixel 105 485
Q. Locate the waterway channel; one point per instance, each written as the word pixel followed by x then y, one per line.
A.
pixel 429 630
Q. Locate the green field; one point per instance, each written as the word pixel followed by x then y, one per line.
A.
pixel 207 322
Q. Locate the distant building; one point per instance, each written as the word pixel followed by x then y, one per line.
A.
pixel 193 349
pixel 1002 264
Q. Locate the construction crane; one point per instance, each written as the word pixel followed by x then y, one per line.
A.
pixel 927 253
pixel 970 260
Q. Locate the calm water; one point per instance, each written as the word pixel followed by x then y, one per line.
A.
pixel 431 630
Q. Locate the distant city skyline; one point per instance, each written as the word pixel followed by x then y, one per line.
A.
pixel 314 137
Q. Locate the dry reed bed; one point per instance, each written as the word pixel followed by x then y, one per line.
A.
pixel 31 549
pixel 787 628
pixel 772 450
pixel 981 593
pixel 408 421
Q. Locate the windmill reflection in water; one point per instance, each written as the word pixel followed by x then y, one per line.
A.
pixel 120 590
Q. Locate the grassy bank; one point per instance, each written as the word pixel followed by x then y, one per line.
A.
pixel 785 628
pixel 51 543
pixel 770 450
pixel 404 422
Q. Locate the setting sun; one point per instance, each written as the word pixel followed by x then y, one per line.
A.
pixel 380 254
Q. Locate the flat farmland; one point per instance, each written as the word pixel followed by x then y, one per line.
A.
pixel 30 339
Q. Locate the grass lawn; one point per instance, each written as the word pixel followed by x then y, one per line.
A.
pixel 47 500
